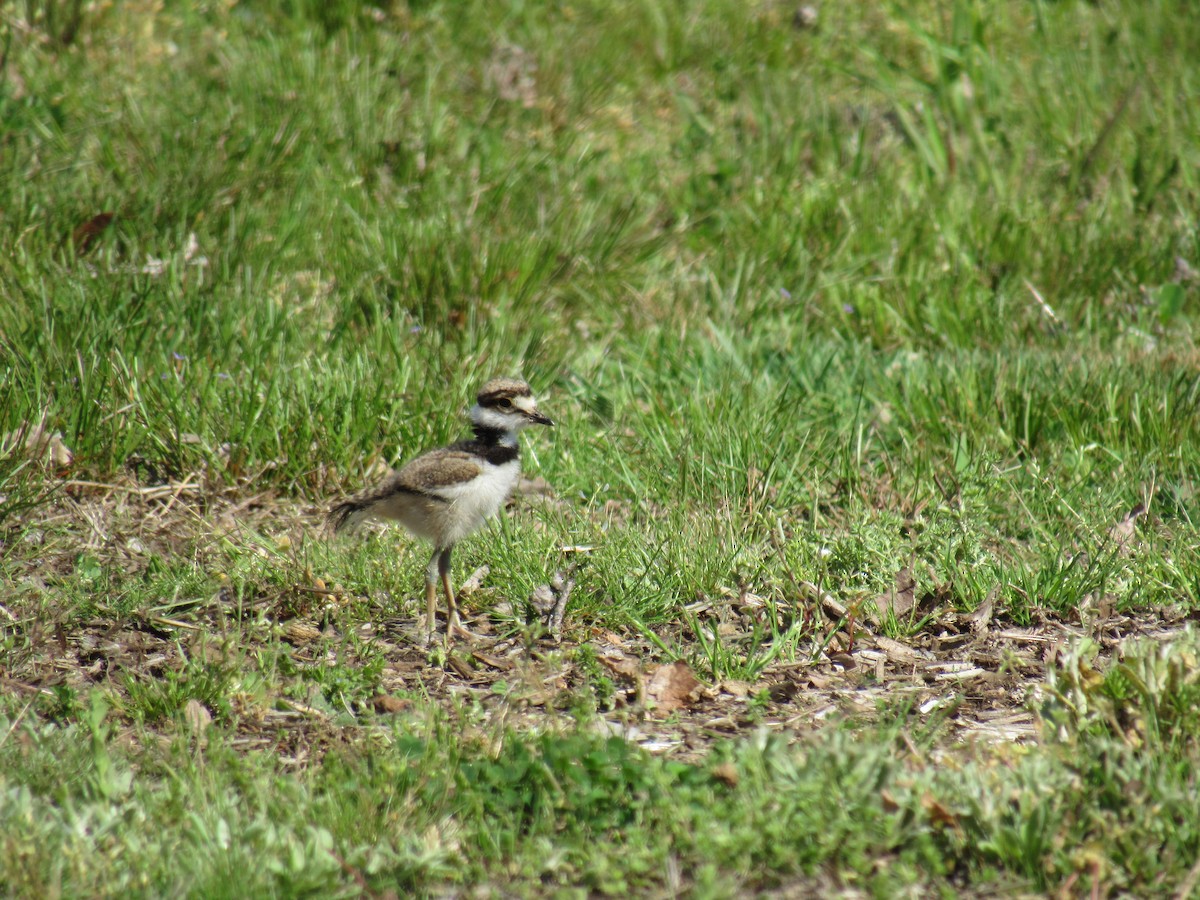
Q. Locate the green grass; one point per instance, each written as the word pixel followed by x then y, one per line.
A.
pixel 418 807
pixel 809 305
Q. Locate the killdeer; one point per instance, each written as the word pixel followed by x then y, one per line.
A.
pixel 446 494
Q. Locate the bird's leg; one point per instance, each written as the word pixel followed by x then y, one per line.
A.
pixel 451 605
pixel 454 626
pixel 431 576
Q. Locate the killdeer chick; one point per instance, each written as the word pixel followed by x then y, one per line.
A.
pixel 446 494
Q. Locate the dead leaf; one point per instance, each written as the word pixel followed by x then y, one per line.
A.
pixel 833 609
pixel 300 632
pixel 542 600
pixel 474 581
pixel 982 614
pixel 899 599
pixel 898 652
pixel 845 660
pixel 40 443
pixel 726 772
pixel 1050 654
pixel 783 691
pixel 627 666
pixel 496 662
pixel 758 489
pixel 386 703
pixel 672 686
pixel 938 814
pixel 736 688
pixel 562 586
pixel 197 716
pixel 460 668
pixel 86 234
pixel 888 801
pixel 753 478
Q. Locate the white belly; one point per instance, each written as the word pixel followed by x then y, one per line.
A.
pixel 472 503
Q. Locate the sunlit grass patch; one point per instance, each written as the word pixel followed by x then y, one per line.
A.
pixel 868 332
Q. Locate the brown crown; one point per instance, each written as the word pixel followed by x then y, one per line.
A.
pixel 502 388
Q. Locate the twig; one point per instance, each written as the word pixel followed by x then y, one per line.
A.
pixel 1188 886
pixel 177 493
pixel 153 493
pixel 15 723
pixel 324 592
pixel 174 623
pixel 474 581
pixel 22 686
pixel 560 608
pixel 1046 308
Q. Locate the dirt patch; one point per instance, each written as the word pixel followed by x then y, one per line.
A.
pixel 298 668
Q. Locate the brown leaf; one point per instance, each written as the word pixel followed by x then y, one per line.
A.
pixel 40 443
pixel 736 688
pixel 84 236
pixel 982 614
pixel 783 691
pixel 938 813
pixel 899 599
pixel 834 610
pixel 386 703
pixel 627 666
pixel 197 716
pixel 726 772
pixel 672 686
pixel 300 632
pixel 496 662
pixel 758 488
pixel 897 652
pixel 542 599
pixel 888 801
pixel 845 660
pixel 459 667
pixel 474 581
pixel 754 477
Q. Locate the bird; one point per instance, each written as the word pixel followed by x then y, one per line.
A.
pixel 444 495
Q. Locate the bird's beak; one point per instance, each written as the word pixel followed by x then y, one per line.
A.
pixel 537 417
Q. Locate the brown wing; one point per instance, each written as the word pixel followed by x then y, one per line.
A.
pixel 439 469
pixel 426 478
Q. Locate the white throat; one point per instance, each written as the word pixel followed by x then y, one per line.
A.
pixel 507 424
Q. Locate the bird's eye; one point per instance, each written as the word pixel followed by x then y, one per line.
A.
pixel 505 403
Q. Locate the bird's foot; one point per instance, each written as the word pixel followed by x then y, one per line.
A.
pixel 455 630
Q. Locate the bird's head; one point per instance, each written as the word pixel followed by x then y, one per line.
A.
pixel 506 404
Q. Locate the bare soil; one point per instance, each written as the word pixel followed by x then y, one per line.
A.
pixel 974 673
